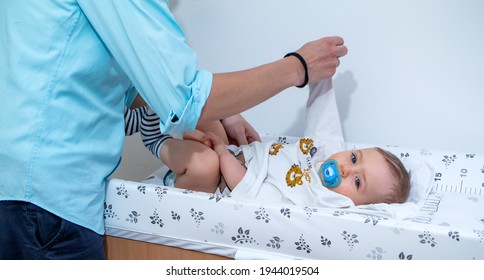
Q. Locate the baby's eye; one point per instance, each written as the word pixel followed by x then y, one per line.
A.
pixel 353 158
pixel 357 182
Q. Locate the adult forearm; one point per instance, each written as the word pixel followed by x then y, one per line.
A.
pixel 232 93
pixel 236 92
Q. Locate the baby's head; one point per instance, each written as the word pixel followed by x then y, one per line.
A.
pixel 369 176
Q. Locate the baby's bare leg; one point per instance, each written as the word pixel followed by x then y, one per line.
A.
pixel 232 170
pixel 196 165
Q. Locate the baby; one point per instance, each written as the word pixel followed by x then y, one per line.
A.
pixel 365 176
pixel 314 171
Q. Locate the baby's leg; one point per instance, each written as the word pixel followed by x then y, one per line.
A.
pixel 232 170
pixel 196 165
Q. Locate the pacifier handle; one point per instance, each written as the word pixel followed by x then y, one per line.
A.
pixel 329 174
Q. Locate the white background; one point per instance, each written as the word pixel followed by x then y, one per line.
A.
pixel 413 75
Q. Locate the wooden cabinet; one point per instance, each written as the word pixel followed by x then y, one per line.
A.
pixel 125 249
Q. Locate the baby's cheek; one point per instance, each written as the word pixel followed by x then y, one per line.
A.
pixel 339 189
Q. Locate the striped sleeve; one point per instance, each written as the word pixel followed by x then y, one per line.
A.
pixel 151 134
pixel 132 119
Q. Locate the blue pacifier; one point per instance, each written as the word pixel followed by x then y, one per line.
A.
pixel 329 174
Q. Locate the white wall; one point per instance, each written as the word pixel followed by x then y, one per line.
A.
pixel 412 77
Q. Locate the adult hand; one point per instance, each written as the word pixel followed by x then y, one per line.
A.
pixel 239 131
pixel 198 136
pixel 216 142
pixel 322 57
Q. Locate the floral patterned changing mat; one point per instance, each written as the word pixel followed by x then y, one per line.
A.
pixel 450 224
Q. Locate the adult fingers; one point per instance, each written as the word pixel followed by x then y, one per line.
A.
pixel 339 45
pixel 241 138
pixel 251 134
pixel 341 50
pixel 338 41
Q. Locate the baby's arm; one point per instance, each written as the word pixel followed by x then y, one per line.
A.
pixel 322 117
pixel 322 120
pixel 230 167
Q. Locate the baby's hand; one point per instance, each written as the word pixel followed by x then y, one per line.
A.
pixel 216 142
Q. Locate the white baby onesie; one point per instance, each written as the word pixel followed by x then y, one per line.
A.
pixel 280 172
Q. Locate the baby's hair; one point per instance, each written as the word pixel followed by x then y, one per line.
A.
pixel 401 186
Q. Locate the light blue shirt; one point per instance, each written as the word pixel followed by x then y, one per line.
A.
pixel 68 68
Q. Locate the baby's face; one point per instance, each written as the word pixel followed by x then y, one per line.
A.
pixel 366 176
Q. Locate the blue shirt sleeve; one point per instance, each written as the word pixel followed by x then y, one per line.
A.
pixel 149 45
pixel 130 96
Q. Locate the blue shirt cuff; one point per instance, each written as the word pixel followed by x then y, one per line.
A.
pixel 190 115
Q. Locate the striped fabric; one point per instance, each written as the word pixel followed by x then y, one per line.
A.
pixel 147 122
